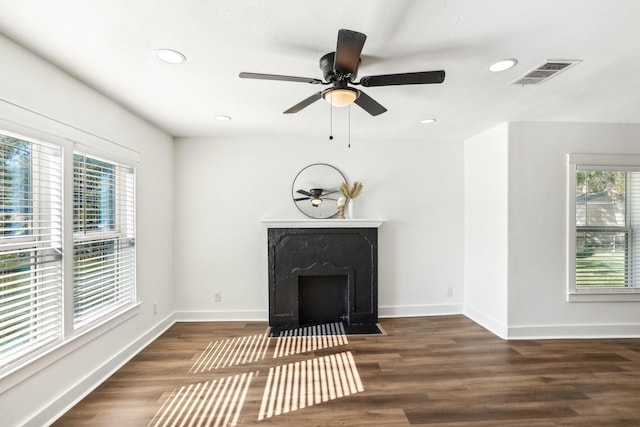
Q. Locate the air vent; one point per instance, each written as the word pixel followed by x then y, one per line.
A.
pixel 544 72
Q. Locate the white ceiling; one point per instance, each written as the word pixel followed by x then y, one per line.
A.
pixel 110 44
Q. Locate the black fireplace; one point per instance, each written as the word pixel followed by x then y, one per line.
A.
pixel 323 275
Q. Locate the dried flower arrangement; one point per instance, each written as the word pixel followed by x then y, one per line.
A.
pixel 353 192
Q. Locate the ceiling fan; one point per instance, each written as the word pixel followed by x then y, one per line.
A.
pixel 340 69
pixel 316 195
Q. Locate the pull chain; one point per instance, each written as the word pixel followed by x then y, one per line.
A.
pixel 330 116
pixel 349 144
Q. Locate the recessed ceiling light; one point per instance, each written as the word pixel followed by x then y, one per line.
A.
pixel 222 118
pixel 427 121
pixel 170 56
pixel 503 65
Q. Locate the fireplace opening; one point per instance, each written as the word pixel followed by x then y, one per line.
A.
pixel 322 299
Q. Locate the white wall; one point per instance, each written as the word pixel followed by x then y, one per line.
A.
pixel 32 93
pixel 537 231
pixel 224 187
pixel 486 229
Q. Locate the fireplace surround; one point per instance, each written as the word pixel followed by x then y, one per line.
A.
pixel 323 272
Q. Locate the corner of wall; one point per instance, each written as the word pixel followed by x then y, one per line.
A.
pixel 486 228
pixel 492 325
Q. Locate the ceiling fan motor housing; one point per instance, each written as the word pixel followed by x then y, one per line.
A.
pixel 328 71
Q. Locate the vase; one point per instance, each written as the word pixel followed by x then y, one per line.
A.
pixel 350 210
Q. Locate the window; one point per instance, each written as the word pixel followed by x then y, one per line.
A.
pixel 103 238
pixel 40 307
pixel 30 248
pixel 604 227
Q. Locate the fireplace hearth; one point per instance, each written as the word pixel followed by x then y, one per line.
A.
pixel 323 275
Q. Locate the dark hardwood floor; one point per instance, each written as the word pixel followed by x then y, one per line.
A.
pixel 429 371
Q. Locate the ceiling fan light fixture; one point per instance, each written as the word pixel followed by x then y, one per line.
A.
pixel 427 121
pixel 341 97
pixel 503 65
pixel 316 202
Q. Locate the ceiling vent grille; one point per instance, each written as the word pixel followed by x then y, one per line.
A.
pixel 544 72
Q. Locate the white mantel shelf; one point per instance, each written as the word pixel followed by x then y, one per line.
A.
pixel 323 223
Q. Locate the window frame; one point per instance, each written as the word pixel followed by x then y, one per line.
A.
pixel 608 162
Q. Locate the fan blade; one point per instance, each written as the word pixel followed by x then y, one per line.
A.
pixel 306 193
pixel 301 198
pixel 305 103
pixel 369 104
pixel 348 51
pixel 420 78
pixel 280 78
pixel 329 192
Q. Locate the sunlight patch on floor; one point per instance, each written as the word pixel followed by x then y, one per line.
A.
pixel 231 352
pixel 310 382
pixel 288 387
pixel 212 403
pixel 309 338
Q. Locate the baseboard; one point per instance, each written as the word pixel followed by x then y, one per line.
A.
pixel 542 332
pixel 263 315
pixel 419 310
pixel 79 391
pixel 222 316
pixel 594 331
pixel 487 322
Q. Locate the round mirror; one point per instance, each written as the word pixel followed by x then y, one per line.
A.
pixel 316 189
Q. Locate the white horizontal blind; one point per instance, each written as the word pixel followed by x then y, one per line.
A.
pixel 607 217
pixel 30 248
pixel 104 238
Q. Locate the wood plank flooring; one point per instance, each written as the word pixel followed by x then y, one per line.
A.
pixel 428 371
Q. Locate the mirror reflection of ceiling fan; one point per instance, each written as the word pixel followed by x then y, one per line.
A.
pixel 316 195
pixel 340 69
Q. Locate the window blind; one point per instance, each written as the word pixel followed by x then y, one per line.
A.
pixel 30 248
pixel 104 238
pixel 607 217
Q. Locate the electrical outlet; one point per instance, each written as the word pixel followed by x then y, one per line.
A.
pixel 155 307
pixel 449 292
pixel 217 297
